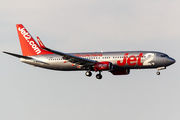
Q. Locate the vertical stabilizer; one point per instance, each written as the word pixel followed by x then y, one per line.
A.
pixel 29 46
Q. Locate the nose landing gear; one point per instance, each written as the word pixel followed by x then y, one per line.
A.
pixel 160 68
pixel 158 73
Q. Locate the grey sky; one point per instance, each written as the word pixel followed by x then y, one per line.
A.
pixel 28 93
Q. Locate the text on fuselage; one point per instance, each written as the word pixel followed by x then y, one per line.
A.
pixel 131 60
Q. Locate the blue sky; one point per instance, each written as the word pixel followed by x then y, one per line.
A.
pixel 28 92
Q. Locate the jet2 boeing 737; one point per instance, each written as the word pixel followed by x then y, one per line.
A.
pixel 118 63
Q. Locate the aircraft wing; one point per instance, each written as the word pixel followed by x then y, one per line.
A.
pixel 69 57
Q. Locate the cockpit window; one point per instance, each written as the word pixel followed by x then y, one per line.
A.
pixel 164 55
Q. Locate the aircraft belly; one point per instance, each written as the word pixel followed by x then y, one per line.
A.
pixel 63 66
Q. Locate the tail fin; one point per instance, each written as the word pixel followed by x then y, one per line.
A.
pixel 29 46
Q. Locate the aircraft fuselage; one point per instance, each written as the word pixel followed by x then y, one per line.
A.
pixel 120 60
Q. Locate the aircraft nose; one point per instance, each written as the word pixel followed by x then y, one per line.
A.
pixel 172 61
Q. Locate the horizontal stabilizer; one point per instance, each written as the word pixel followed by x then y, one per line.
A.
pixel 16 55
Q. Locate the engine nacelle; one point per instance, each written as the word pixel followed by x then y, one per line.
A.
pixel 99 66
pixel 121 72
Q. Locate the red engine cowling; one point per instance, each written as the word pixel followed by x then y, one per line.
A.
pixel 121 72
pixel 103 66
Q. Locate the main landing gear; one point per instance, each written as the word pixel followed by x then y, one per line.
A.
pixel 99 76
pixel 89 74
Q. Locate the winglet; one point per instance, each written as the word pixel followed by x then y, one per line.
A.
pixel 40 43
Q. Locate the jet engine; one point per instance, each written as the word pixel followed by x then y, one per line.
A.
pixel 121 72
pixel 99 66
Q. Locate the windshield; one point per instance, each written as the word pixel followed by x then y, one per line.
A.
pixel 164 55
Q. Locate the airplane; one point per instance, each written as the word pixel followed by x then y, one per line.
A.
pixel 118 63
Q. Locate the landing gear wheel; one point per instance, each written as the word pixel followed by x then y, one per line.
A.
pixel 158 73
pixel 88 73
pixel 98 76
